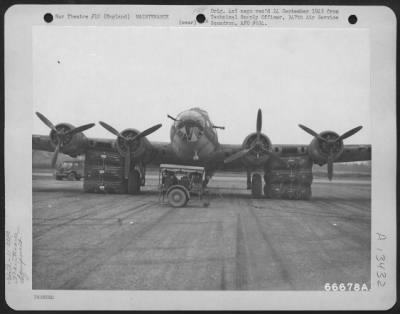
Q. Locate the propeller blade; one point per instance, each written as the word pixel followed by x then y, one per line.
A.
pixel 55 155
pixel 259 121
pixel 308 130
pixel 349 133
pixel 312 132
pixel 46 121
pixel 145 132
pixel 80 129
pixel 127 162
pixel 330 168
pixel 237 155
pixel 110 129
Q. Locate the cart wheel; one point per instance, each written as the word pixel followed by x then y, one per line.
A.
pixel 177 197
pixel 71 176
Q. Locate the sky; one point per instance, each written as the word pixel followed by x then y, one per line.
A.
pixel 132 77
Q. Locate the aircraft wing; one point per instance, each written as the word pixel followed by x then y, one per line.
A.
pixel 43 142
pixel 284 151
pixel 355 153
pixel 156 152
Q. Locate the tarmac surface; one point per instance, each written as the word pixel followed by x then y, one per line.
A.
pixel 125 242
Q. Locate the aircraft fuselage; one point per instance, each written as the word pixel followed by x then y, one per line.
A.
pixel 193 138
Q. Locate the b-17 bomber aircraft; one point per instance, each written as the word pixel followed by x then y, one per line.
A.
pixel 119 165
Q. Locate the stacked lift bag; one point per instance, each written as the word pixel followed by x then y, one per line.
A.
pixel 292 182
pixel 104 172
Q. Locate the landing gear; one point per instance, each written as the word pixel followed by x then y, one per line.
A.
pixel 267 189
pixel 306 193
pixel 136 178
pixel 142 173
pixel 134 182
pixel 207 177
pixel 248 179
pixel 256 186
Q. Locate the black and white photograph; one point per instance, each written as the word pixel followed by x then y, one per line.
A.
pixel 210 149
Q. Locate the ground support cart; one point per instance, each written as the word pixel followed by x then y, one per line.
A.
pixel 178 184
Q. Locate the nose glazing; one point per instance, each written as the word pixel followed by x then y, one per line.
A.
pixel 189 130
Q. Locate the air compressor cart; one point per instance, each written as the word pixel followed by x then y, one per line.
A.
pixel 179 183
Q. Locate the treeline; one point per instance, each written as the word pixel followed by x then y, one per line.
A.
pixel 42 160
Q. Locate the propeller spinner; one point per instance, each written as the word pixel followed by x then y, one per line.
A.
pixel 129 141
pixel 330 144
pixel 61 135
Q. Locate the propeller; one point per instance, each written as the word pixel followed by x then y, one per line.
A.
pixel 129 141
pixel 330 144
pixel 61 135
pixel 257 146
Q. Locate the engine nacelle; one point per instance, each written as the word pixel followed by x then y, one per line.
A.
pixel 138 147
pixel 319 150
pixel 257 155
pixel 72 145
